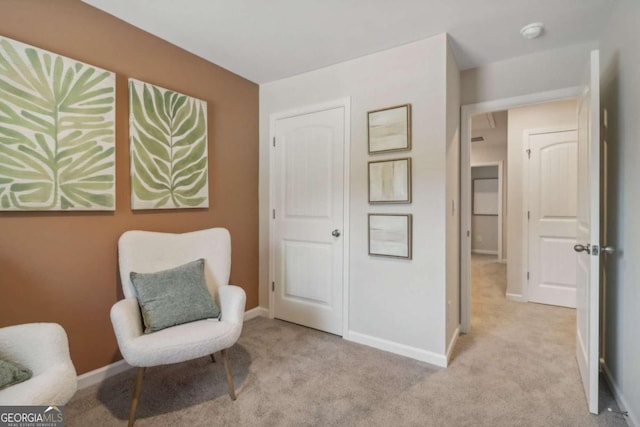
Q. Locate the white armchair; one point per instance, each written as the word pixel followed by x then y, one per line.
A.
pixel 147 252
pixel 44 349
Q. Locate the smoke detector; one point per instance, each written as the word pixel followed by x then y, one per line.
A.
pixel 532 31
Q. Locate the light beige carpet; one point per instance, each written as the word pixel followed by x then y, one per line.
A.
pixel 517 368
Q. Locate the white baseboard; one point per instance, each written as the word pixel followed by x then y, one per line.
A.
pixel 452 344
pixel 99 375
pixel 401 349
pixel 633 419
pixel 516 297
pixel 256 312
pixel 483 252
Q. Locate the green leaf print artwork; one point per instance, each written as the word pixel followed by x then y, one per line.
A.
pixel 168 145
pixel 57 131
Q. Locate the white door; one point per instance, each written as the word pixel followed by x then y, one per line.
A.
pixel 553 202
pixel 588 234
pixel 308 219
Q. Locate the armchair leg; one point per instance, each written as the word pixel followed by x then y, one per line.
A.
pixel 227 368
pixel 136 395
pixel 213 358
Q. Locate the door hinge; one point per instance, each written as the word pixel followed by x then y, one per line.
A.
pixel 468 233
pixel 527 275
pixel 273 286
pixel 274 141
pixel 273 214
pixel 528 215
pixel 528 153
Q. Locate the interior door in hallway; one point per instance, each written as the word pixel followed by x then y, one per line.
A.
pixel 588 234
pixel 308 219
pixel 552 196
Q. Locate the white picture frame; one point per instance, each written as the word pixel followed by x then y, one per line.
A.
pixel 485 196
pixel 390 235
pixel 389 129
pixel 390 181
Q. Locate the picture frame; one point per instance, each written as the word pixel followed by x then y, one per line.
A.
pixel 389 181
pixel 485 196
pixel 389 129
pixel 169 159
pixel 58 132
pixel 390 235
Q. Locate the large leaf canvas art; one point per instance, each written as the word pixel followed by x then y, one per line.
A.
pixel 57 131
pixel 168 138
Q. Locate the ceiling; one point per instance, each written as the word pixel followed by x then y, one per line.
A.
pixel 270 40
pixel 492 127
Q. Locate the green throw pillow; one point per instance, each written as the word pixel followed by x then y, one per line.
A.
pixel 11 374
pixel 175 296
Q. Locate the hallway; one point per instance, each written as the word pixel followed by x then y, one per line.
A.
pixel 527 353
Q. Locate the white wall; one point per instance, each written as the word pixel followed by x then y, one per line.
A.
pixel 453 199
pixel 620 80
pixel 394 304
pixel 539 72
pixel 484 228
pixel 550 115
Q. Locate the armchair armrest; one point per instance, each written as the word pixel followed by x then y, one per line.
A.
pixel 126 321
pixel 232 303
pixel 24 343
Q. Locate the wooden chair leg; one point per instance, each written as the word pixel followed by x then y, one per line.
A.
pixel 227 368
pixel 136 396
pixel 213 358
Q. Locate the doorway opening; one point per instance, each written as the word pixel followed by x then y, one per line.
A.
pixel 488 158
pixel 499 129
pixel 523 160
pixel 523 169
pixel 587 218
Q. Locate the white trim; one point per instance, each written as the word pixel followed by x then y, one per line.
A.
pixel 256 312
pixel 401 349
pixel 632 419
pixel 500 206
pixel 452 344
pixel 484 252
pixel 99 375
pixel 516 297
pixel 346 235
pixel 526 194
pixel 345 104
pixel 467 111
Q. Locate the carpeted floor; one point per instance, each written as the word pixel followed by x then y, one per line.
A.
pixel 517 368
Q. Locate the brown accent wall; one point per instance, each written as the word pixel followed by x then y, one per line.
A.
pixel 61 266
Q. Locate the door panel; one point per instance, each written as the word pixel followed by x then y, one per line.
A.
pixel 306 277
pixel 552 177
pixel 308 170
pixel 588 233
pixel 308 200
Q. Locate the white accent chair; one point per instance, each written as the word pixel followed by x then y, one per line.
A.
pixel 147 252
pixel 44 349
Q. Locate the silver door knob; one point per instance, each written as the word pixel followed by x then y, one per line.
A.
pixel 335 233
pixel 608 249
pixel 582 248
